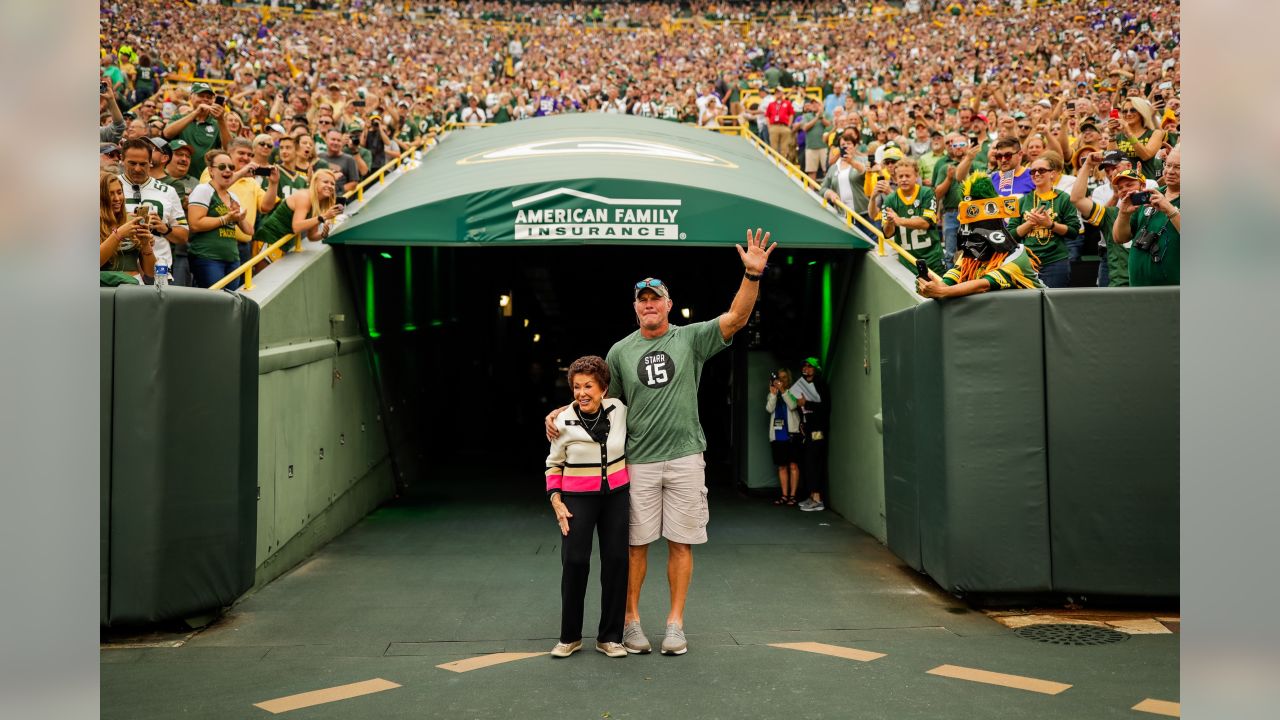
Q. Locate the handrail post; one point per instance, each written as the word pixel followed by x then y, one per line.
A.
pixel 248 277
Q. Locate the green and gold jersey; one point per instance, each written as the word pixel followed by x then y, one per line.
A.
pixel 1117 255
pixel 1048 247
pixel 290 183
pixel 1015 270
pixel 927 243
pixel 1152 167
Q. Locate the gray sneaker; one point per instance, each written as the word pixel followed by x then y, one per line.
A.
pixel 634 641
pixel 805 504
pixel 814 507
pixel 674 642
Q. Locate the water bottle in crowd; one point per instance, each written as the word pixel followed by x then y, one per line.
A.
pixel 162 275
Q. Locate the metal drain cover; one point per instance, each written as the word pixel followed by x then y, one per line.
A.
pixel 1071 634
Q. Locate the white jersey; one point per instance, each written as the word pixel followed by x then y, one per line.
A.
pixel 163 200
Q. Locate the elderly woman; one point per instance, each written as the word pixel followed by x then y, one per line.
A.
pixel 589 488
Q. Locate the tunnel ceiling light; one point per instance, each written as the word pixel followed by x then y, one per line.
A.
pixel 504 300
pixel 685 313
pixel 385 255
pixel 526 322
pixel 537 337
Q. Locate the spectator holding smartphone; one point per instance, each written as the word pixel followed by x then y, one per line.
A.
pixel 1114 270
pixel 1152 220
pixel 1137 136
pixel 201 128
pixel 218 221
pixel 124 243
pixel 165 218
pixel 844 181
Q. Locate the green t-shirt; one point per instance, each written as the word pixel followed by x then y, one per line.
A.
pixel 926 244
pixel 951 200
pixel 927 163
pixel 1143 270
pixel 658 380
pixel 219 243
pixel 1104 218
pixel 813 139
pixel 1152 167
pixel 202 137
pixel 1047 246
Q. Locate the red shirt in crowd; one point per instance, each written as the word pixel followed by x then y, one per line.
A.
pixel 780 111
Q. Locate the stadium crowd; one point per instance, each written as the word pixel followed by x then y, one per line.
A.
pixel 850 91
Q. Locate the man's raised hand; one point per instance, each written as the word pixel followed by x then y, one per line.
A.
pixel 756 256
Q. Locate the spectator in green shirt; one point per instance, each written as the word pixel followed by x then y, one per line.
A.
pixel 1155 227
pixel 201 128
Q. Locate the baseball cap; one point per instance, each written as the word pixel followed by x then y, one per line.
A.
pixel 1112 157
pixel 1131 173
pixel 892 153
pixel 979 116
pixel 1090 123
pixel 276 126
pixel 200 87
pixel 108 149
pixel 177 145
pixel 653 284
pixel 813 361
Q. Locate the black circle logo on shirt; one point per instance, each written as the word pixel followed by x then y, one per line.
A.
pixel 656 369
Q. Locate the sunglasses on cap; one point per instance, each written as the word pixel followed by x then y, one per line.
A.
pixel 650 283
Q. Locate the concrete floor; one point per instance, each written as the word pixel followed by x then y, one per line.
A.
pixel 422 583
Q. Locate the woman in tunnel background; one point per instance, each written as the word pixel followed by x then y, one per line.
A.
pixel 589 489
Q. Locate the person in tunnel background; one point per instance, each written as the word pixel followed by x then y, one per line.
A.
pixel 656 371
pixel 813 397
pixel 785 439
pixel 588 484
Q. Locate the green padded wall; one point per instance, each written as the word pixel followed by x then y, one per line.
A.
pixel 901 486
pixel 980 447
pixel 106 345
pixel 184 451
pixel 1111 363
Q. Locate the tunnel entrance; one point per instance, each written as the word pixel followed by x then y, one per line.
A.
pixel 471 345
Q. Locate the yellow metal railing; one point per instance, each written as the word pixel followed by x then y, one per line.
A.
pixel 850 217
pixel 357 192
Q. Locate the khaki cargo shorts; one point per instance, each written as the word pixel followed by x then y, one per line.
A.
pixel 669 499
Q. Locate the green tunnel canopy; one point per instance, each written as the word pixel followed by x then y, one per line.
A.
pixel 593 178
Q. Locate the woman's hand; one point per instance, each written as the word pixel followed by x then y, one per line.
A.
pixel 332 212
pixel 562 514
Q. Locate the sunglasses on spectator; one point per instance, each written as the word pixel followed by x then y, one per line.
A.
pixel 1039 171
pixel 1128 110
pixel 263 144
pixel 1002 156
pixel 224 166
pixel 958 145
pixel 1024 127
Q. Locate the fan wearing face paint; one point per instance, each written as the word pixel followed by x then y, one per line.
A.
pixel 989 258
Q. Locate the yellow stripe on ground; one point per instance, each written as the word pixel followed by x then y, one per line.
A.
pixel 484 661
pixel 1017 682
pixel 1159 707
pixel 834 650
pixel 328 695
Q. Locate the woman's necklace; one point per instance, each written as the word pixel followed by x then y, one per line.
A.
pixel 592 420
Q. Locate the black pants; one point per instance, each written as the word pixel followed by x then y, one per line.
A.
pixel 814 470
pixel 609 515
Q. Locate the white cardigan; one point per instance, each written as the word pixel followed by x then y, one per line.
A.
pixel 578 465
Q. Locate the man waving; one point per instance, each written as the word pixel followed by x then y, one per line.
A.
pixel 656 371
